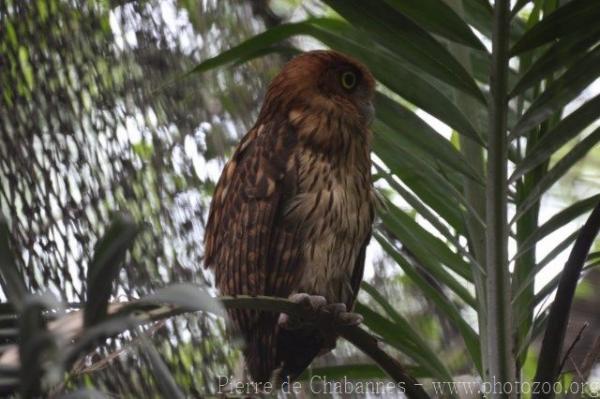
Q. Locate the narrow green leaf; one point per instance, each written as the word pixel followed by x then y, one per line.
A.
pixel 410 127
pixel 432 363
pixel 564 131
pixel 164 379
pixel 480 66
pixel 438 18
pixel 424 212
pixel 189 297
pixel 446 306
pixel 539 325
pixel 248 49
pixel 429 250
pixel 407 166
pixel 535 329
pixel 518 6
pixel 95 334
pixel 431 195
pixel 13 285
pixel 592 264
pixel 416 204
pixel 389 309
pixel 564 244
pixel 42 348
pixel 549 288
pixel 32 321
pixel 560 92
pixel 105 266
pixel 569 19
pixel 407 40
pixel 561 54
pixel 546 291
pixel 561 167
pixel 258 302
pixel 385 328
pixel 593 255
pixel 557 221
pixel 390 333
pixel 37 346
pixel 479 13
pixel 523 315
pixel 387 68
pixel 287 51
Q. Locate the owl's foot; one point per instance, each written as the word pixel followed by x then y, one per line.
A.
pixel 318 314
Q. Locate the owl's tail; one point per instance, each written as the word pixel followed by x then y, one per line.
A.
pixel 296 349
pixel 277 355
pixel 260 355
pixel 259 331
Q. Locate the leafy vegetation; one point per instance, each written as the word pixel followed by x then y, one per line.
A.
pixel 462 199
pixel 504 93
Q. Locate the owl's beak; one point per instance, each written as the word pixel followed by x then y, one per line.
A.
pixel 368 112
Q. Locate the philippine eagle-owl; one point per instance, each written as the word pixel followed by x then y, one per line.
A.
pixel 293 208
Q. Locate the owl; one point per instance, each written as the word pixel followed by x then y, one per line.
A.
pixel 292 212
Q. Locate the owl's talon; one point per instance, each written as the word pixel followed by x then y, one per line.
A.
pixel 310 304
pixel 333 309
pixel 288 323
pixel 348 319
pixel 320 314
pixel 335 315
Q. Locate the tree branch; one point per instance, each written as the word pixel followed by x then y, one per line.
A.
pixel 357 336
pixel 128 315
pixel 369 345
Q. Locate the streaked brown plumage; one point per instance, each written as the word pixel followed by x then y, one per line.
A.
pixel 293 208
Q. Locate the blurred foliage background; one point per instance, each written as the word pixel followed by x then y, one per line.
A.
pixel 98 115
pixel 93 121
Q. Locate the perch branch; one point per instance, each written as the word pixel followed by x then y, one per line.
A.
pixel 127 315
pixel 353 334
pixel 357 336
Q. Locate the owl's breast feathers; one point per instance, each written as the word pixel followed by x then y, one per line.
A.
pixel 333 202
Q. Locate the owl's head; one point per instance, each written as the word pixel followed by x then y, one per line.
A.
pixel 325 83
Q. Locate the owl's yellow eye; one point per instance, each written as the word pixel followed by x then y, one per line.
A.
pixel 348 80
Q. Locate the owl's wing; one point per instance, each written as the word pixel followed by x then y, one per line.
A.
pixel 244 241
pixel 357 272
pixel 247 244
